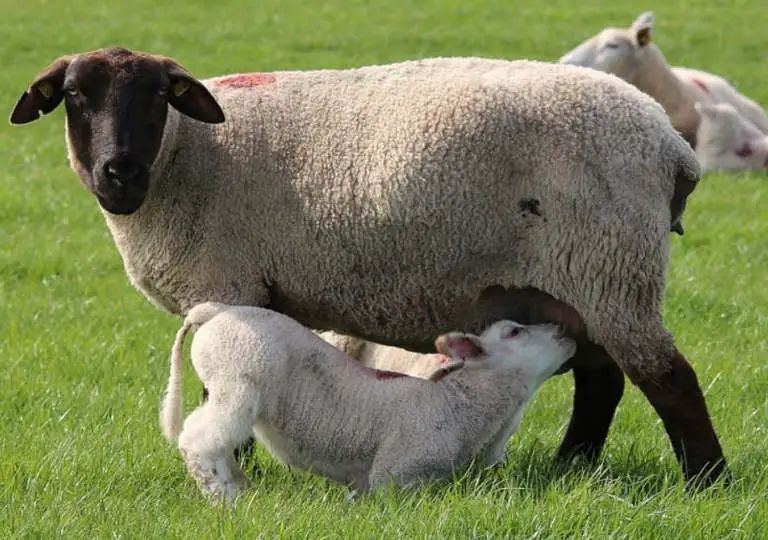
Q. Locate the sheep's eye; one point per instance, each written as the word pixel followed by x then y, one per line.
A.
pixel 744 151
pixel 611 45
pixel 163 91
pixel 512 332
pixel 72 92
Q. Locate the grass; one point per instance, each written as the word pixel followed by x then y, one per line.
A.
pixel 85 355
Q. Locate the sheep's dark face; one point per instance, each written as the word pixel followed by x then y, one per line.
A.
pixel 117 105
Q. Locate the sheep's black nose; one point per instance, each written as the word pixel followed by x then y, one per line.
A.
pixel 122 170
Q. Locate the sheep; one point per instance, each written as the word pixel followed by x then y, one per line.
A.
pixel 315 408
pixel 387 358
pixel 727 142
pixel 397 202
pixel 629 53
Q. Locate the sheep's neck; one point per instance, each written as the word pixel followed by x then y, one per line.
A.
pixel 656 79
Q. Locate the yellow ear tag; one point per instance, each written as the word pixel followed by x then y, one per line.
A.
pixel 45 88
pixel 180 87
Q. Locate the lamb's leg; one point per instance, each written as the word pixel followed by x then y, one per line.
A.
pixel 670 384
pixel 496 451
pixel 244 450
pixel 207 442
pixel 598 388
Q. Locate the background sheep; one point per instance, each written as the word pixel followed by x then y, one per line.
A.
pixel 727 141
pixel 397 202
pixel 315 408
pixel 630 54
pixel 384 357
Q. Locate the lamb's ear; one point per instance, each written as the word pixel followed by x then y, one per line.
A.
pixel 190 97
pixel 457 345
pixel 44 94
pixel 705 109
pixel 642 28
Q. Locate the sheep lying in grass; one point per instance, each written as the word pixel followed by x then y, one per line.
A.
pixel 315 408
pixel 630 54
pixel 727 142
pixel 397 202
pixel 384 357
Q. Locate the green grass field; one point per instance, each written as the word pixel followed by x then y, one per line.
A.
pixel 84 355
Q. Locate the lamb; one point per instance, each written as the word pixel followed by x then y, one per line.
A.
pixel 383 357
pixel 315 408
pixel 727 142
pixel 398 202
pixel 629 53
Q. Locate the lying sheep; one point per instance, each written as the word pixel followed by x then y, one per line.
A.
pixel 630 54
pixel 384 357
pixel 397 202
pixel 315 408
pixel 727 142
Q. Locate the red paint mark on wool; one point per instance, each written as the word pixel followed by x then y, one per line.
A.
pixel 247 80
pixel 700 84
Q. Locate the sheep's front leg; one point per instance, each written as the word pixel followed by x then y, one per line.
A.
pixel 207 443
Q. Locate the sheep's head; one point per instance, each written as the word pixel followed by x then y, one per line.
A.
pixel 116 105
pixel 540 348
pixel 615 50
pixel 727 141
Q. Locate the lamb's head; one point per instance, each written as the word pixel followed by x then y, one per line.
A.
pixel 116 105
pixel 727 141
pixel 540 349
pixel 615 50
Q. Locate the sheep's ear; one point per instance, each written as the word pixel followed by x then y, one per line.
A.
pixel 642 28
pixel 44 94
pixel 190 97
pixel 460 346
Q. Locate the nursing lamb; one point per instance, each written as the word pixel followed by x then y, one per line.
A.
pixel 398 202
pixel 315 408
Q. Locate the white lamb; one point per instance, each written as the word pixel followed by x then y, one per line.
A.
pixel 315 408
pixel 727 142
pixel 630 54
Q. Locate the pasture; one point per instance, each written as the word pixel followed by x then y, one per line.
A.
pixel 85 356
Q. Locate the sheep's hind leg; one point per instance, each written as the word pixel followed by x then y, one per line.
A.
pixel 670 384
pixel 207 443
pixel 598 389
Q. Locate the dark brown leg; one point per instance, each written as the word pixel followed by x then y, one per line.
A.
pixel 599 386
pixel 677 398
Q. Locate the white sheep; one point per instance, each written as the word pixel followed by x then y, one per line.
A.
pixel 727 142
pixel 384 357
pixel 630 54
pixel 397 202
pixel 315 408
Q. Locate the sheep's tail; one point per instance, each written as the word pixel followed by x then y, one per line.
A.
pixel 171 410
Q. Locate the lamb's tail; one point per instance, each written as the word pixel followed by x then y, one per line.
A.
pixel 171 410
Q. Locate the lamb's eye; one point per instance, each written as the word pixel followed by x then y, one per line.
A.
pixel 744 151
pixel 72 92
pixel 512 332
pixel 611 45
pixel 163 91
